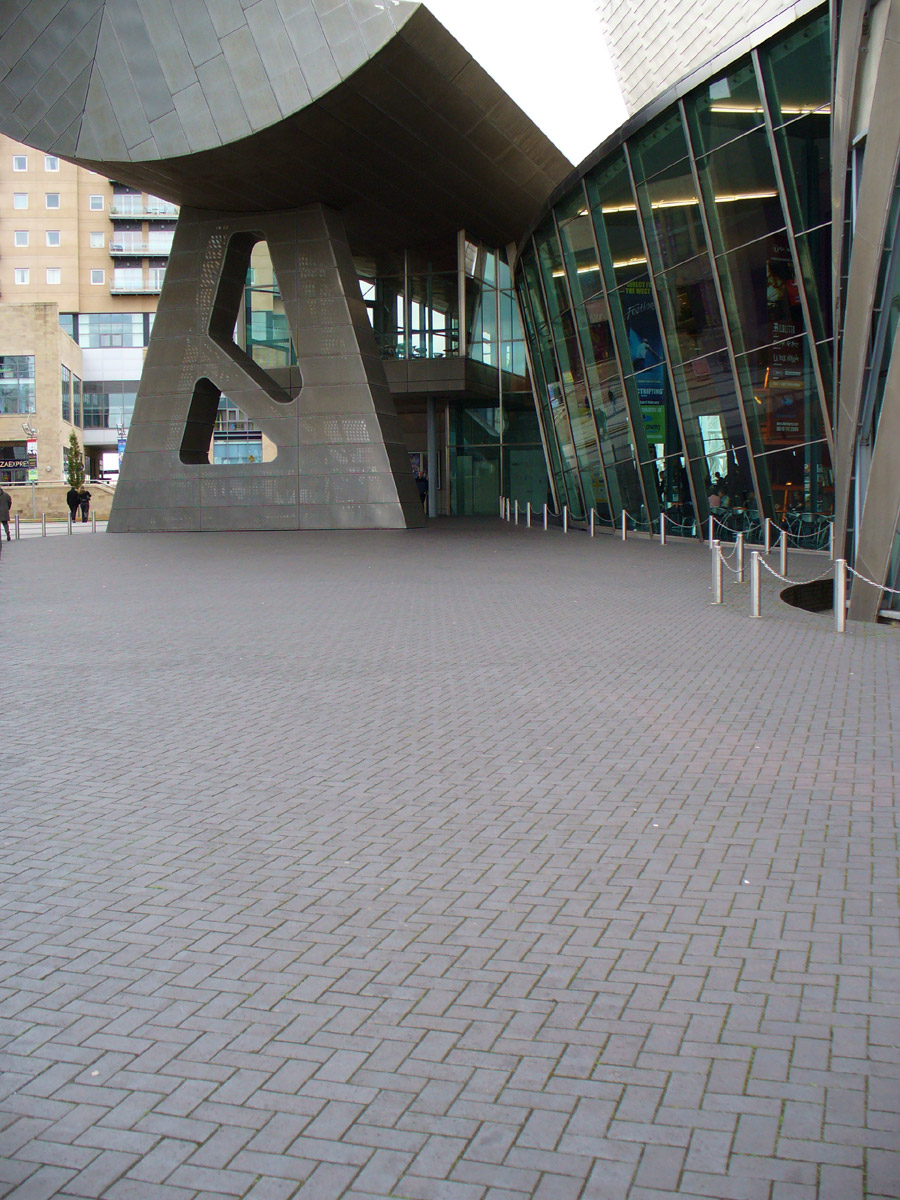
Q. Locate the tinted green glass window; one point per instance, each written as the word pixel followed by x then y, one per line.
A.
pixel 800 482
pixel 785 401
pixel 762 292
pixel 692 319
pixel 805 151
pixel 597 340
pixel 725 108
pixel 551 264
pixel 741 190
pixel 580 255
pixel 709 406
pixel 658 146
pixel 671 210
pixel 814 255
pixel 614 213
pixel 799 69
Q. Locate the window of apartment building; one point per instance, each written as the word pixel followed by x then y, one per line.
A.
pixel 20 199
pixel 66 392
pixel 16 383
pixel 111 329
pixel 52 237
pixel 20 162
pixel 54 275
pixel 20 237
pixel 77 407
pixel 98 276
pixel 97 240
pixel 51 199
pixel 51 162
pixel 96 204
pixel 22 274
pixel 68 323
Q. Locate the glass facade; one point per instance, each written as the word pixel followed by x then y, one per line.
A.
pixel 676 302
pixel 107 404
pixel 16 383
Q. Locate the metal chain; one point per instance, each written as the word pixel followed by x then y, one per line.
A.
pixel 872 583
pixel 793 582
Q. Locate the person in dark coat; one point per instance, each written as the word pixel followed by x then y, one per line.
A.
pixel 422 487
pixel 5 507
pixel 84 499
pixel 73 499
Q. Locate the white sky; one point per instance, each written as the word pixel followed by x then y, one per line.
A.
pixel 549 55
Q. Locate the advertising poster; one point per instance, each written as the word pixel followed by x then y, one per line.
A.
pixel 645 346
pixel 783 379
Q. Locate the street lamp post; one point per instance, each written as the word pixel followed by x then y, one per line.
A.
pixel 31 451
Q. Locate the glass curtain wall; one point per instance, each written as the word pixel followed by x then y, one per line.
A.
pixel 494 449
pixel 677 305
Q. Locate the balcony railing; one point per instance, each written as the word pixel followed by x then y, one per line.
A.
pixel 144 249
pixel 139 287
pixel 154 212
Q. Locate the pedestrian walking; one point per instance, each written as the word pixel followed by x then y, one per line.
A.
pixel 73 499
pixel 5 508
pixel 84 499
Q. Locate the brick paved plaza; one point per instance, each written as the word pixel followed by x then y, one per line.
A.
pixel 474 863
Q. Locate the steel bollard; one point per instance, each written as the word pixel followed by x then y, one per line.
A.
pixel 93 522
pixel 624 525
pixel 18 530
pixel 502 506
pixel 782 553
pixel 831 540
pixel 740 558
pixel 662 529
pixel 768 536
pixel 70 523
pixel 545 518
pixel 528 514
pixel 754 584
pixel 43 524
pixel 711 531
pixel 717 574
pixel 592 522
pixel 507 510
pixel 516 513
pixel 840 595
pixel 565 518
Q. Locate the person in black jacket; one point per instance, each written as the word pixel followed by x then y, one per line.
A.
pixel 73 499
pixel 84 499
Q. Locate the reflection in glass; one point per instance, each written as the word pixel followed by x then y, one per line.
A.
pixel 761 292
pixel 725 108
pixel 814 256
pixel 693 319
pixel 797 66
pixel 672 215
pixel 804 147
pixel 580 254
pixel 659 145
pixel 800 481
pixel 740 180
pixel 615 219
pixel 784 398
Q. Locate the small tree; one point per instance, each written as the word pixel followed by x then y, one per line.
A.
pixel 74 462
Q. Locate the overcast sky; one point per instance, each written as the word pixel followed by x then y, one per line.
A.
pixel 549 55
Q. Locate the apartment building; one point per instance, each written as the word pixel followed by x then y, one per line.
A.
pixel 85 255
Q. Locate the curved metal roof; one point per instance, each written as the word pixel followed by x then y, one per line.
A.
pixel 370 106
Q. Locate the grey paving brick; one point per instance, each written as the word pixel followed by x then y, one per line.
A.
pixel 431 883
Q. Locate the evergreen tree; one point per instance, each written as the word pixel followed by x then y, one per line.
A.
pixel 74 462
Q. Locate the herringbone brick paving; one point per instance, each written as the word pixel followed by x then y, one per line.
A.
pixel 474 863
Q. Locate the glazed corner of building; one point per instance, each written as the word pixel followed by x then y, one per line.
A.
pixel 677 293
